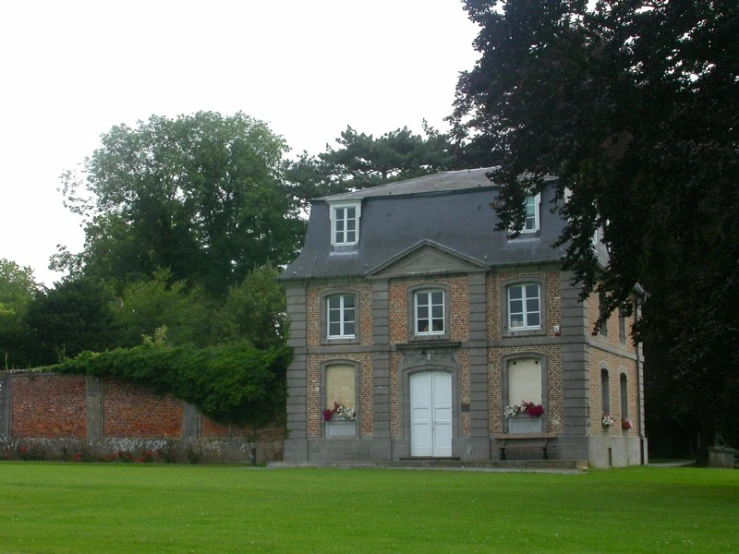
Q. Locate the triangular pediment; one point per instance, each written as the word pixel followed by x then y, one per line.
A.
pixel 426 258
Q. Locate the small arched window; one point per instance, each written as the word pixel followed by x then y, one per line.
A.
pixel 624 397
pixel 605 392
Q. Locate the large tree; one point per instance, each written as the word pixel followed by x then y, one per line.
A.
pixel 161 303
pixel 254 311
pixel 74 316
pixel 362 160
pixel 199 194
pixel 634 105
pixel 17 289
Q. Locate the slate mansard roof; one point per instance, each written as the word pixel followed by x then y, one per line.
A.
pixel 447 211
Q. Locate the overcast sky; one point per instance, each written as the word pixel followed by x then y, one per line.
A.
pixel 71 70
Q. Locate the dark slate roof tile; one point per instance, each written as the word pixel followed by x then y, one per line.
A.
pixel 459 218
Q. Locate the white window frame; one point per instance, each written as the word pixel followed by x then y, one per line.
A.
pixel 430 305
pixel 342 316
pixel 537 214
pixel 341 208
pixel 525 312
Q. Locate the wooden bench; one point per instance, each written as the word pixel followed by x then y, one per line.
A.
pixel 524 440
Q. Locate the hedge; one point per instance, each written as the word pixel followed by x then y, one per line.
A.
pixel 236 383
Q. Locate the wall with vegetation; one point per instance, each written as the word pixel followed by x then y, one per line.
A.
pixel 48 415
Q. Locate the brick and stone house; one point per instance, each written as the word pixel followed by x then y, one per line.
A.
pixel 409 308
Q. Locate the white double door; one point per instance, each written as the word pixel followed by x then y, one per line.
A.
pixel 431 414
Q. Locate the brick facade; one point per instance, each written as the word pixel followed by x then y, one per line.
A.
pixel 613 338
pixel 403 351
pixel 497 309
pixel 395 393
pixel 316 402
pixel 615 365
pixel 129 413
pixel 459 315
pixel 314 311
pixel 464 361
pixel 555 407
pixel 49 406
pixel 432 232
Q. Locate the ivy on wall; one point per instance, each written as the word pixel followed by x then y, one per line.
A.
pixel 236 383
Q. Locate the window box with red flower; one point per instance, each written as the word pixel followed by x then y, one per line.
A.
pixel 525 417
pixel 340 421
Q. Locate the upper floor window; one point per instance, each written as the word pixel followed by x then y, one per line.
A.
pixel 341 310
pixel 429 312
pixel 345 224
pixel 532 223
pixel 622 326
pixel 524 306
pixel 603 327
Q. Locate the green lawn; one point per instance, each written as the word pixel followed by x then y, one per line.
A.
pixel 56 507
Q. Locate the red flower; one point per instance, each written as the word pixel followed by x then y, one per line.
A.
pixel 327 414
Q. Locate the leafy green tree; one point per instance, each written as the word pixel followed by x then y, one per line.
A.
pixel 199 194
pixel 17 289
pixel 74 316
pixel 159 302
pixel 633 105
pixel 364 161
pixel 254 311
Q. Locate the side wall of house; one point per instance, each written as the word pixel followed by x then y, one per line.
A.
pixel 61 415
pixel 615 367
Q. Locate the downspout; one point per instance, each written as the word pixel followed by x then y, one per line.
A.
pixel 639 391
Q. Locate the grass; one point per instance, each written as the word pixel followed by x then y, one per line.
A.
pixel 58 508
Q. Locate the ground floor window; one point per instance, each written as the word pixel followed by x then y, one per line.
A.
pixel 339 412
pixel 524 387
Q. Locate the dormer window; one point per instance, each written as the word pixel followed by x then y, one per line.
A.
pixel 532 223
pixel 345 224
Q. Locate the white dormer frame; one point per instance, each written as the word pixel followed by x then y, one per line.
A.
pixel 340 222
pixel 537 214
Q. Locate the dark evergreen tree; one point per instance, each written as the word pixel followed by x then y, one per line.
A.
pixel 364 161
pixel 634 105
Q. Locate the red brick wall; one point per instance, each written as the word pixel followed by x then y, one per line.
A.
pixel 49 406
pixel 210 428
pixel 131 411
